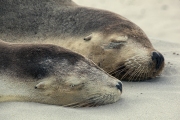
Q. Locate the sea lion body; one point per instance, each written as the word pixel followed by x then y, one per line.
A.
pixel 53 75
pixel 113 42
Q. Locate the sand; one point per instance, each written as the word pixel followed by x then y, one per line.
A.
pixel 157 99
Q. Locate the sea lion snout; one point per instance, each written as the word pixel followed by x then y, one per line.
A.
pixel 158 59
pixel 119 86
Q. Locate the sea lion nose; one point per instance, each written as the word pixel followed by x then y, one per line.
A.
pixel 119 86
pixel 158 58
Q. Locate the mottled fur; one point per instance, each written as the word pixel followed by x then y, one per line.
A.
pixel 50 74
pixel 46 18
pixel 107 38
pixel 27 60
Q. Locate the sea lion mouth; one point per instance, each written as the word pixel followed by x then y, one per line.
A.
pixel 137 69
pixel 132 74
pixel 93 101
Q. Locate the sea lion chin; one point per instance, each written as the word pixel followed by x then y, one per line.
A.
pixel 50 74
pixel 113 42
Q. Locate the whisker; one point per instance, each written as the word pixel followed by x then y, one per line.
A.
pixel 120 72
pixel 146 73
pixel 139 75
pixel 131 77
pixel 91 102
pixel 133 73
pixel 127 73
pixel 142 75
pixel 150 73
pixel 117 70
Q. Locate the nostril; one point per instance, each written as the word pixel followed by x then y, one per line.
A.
pixel 119 86
pixel 158 58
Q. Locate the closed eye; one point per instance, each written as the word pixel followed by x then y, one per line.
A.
pixel 114 45
pixel 77 86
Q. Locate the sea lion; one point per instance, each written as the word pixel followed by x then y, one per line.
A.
pixel 53 75
pixel 113 42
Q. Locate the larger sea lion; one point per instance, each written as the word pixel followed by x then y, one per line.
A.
pixel 113 42
pixel 52 75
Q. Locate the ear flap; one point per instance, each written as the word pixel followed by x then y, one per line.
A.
pixel 43 85
pixel 40 85
pixel 88 38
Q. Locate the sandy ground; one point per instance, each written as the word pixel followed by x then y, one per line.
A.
pixel 157 99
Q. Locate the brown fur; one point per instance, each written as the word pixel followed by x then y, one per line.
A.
pixel 25 58
pixel 94 33
pixel 50 74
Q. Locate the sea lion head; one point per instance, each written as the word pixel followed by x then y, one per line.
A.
pixel 62 77
pixel 50 74
pixel 124 51
pixel 81 85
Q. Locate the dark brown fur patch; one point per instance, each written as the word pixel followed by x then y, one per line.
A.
pixel 28 59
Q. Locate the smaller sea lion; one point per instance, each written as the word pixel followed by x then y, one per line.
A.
pixel 50 74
